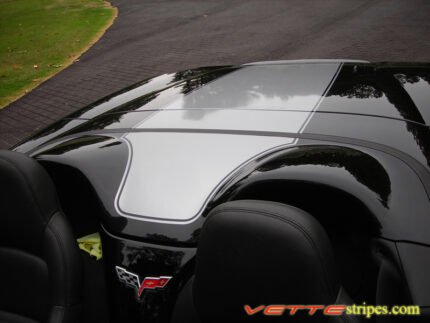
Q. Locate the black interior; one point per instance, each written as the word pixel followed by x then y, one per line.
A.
pixel 80 203
pixel 349 224
pixel 270 253
pixel 41 269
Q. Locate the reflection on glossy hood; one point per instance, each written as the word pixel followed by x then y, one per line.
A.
pixel 188 132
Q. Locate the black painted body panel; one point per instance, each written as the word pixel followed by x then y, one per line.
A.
pixel 363 158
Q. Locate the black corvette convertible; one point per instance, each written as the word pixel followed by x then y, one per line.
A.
pixel 272 191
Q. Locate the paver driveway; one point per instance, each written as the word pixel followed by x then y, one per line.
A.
pixel 153 37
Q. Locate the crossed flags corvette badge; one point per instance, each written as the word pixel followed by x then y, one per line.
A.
pixel 132 280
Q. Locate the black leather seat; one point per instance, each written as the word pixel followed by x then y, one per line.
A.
pixel 262 253
pixel 40 269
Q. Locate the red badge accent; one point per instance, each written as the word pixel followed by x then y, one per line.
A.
pixel 153 282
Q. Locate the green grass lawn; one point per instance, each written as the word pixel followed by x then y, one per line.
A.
pixel 38 38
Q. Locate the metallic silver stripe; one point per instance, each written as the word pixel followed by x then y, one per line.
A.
pixel 177 191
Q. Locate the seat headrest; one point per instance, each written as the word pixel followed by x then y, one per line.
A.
pixel 27 201
pixel 261 253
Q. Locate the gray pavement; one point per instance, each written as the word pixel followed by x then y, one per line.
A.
pixel 154 37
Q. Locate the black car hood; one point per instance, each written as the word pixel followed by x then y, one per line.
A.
pixel 254 97
pixel 170 143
